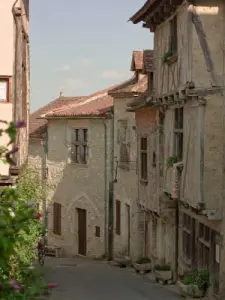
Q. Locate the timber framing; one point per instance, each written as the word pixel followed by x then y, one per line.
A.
pixel 153 13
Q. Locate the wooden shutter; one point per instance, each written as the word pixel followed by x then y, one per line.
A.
pixel 57 218
pixel 118 217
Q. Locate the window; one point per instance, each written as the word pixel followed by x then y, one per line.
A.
pixel 173 36
pixel 57 218
pixel 118 217
pixel 187 237
pixel 150 81
pixel 4 89
pixel 204 233
pixel 178 133
pixel 122 139
pixel 79 151
pixel 97 231
pixel 144 158
pixel 154 160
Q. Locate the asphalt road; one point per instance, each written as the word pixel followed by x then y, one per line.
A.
pixel 82 279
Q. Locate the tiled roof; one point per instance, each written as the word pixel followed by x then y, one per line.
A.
pixel 132 86
pixel 38 126
pixel 148 61
pixel 137 61
pixel 94 105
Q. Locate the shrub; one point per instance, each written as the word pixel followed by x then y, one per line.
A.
pixel 20 230
pixel 143 260
pixel 162 268
pixel 201 278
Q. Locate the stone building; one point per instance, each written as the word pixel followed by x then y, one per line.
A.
pixel 79 159
pixel 146 139
pixel 128 216
pixel 189 90
pixel 14 76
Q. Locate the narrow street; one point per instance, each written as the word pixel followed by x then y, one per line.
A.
pixel 82 279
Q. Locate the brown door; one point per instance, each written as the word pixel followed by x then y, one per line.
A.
pixel 82 231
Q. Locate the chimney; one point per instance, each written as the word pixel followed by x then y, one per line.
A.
pixel 61 94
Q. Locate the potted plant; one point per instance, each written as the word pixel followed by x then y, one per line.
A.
pixel 194 284
pixel 143 265
pixel 163 273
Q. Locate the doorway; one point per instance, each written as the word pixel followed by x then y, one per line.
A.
pixel 128 229
pixel 82 231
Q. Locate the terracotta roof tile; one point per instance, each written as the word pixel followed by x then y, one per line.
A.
pixel 131 86
pixel 137 61
pixel 38 126
pixel 93 105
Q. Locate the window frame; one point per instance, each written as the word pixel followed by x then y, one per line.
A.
pixel 143 153
pixel 123 124
pixel 79 146
pixel 179 133
pixel 7 80
pixel 173 38
pixel 57 218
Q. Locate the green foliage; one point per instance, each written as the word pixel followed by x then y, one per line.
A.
pixel 171 161
pixel 166 57
pixel 20 231
pixel 201 278
pixel 162 268
pixel 143 260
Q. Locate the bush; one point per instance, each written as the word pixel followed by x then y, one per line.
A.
pixel 162 268
pixel 20 230
pixel 143 260
pixel 201 278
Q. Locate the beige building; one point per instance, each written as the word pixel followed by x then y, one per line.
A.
pixel 128 215
pixel 79 159
pixel 189 90
pixel 14 73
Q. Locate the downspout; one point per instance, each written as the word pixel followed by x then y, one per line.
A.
pixel 15 66
pixel 106 185
pixel 111 196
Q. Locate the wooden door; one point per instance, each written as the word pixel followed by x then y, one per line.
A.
pixel 128 229
pixel 82 231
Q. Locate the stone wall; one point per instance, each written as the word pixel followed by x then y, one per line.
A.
pixel 79 186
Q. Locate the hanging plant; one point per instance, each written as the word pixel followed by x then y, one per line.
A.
pixel 171 161
pixel 166 56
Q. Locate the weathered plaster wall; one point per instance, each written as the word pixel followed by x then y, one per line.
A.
pixel 212 17
pixel 169 78
pixel 147 127
pixel 78 186
pixel 213 152
pixel 126 186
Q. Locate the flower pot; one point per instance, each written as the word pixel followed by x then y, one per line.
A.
pixel 163 276
pixel 142 268
pixel 190 291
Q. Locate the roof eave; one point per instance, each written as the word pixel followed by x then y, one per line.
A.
pixel 141 13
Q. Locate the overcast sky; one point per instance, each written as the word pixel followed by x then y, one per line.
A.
pixel 79 47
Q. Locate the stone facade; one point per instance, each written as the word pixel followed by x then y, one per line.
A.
pixel 77 186
pixel 125 188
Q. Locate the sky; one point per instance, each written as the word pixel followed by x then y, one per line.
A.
pixel 81 46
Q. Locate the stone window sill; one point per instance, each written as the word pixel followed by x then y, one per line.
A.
pixel 78 165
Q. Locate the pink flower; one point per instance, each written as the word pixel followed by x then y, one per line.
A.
pixel 52 285
pixel 20 124
pixel 15 285
pixel 37 216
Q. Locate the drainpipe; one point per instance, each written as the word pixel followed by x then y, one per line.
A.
pixel 106 181
pixel 44 179
pixel 15 66
pixel 111 197
pixel 201 117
